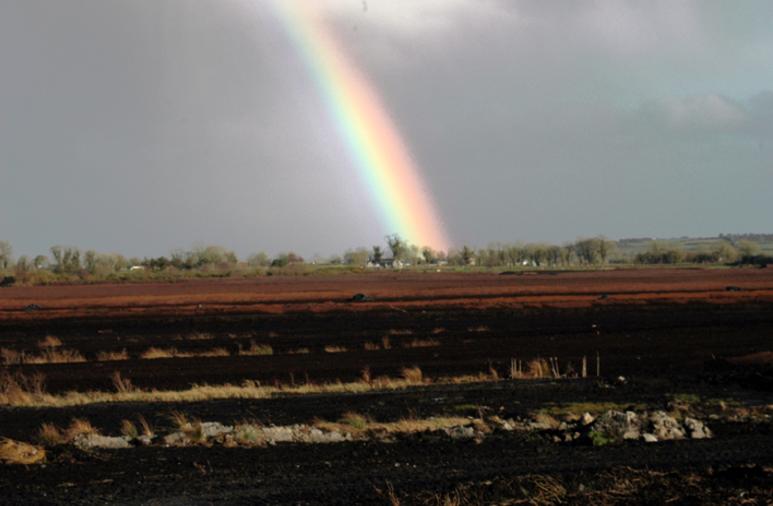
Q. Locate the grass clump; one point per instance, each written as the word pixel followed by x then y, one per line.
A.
pixel 55 356
pixel 599 439
pixel 49 342
pixel 354 420
pixel 421 343
pixel 79 427
pixel 412 374
pixel 129 430
pixel 112 356
pixel 51 435
pixel 256 349
pixel 17 452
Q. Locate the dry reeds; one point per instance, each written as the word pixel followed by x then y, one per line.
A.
pixel 54 356
pixel 199 336
pixel 17 389
pixel 129 430
pixel 79 426
pixel 147 429
pixel 412 374
pixel 256 349
pixel 421 343
pixel 122 385
pixel 112 356
pixel 214 352
pixel 49 342
pixel 154 353
pixel 537 368
pixel 335 349
pixel 11 357
pixel 51 435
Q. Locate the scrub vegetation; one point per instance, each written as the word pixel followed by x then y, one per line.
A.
pixel 69 264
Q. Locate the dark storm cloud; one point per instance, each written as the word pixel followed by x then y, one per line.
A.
pixel 143 126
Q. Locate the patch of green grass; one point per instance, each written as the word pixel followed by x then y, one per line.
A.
pixel 354 420
pixel 599 439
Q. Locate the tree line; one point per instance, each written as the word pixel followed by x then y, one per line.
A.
pixel 67 262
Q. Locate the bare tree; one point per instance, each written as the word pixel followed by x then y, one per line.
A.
pixel 6 254
pixel 397 245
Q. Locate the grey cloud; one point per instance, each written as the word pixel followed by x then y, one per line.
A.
pixel 143 126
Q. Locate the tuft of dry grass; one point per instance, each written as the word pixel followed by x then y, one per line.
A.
pixel 79 426
pixel 154 353
pixel 112 356
pixel 479 328
pixel 538 368
pixel 257 350
pixel 371 346
pixel 128 429
pixel 55 356
pixel 49 342
pixel 18 389
pixel 335 349
pixel 122 385
pixel 214 352
pixel 192 428
pixel 200 336
pixel 16 452
pixel 299 351
pixel 179 419
pixel 11 357
pixel 412 374
pixel 438 330
pixel 354 420
pixel 51 435
pixel 147 429
pixel 385 343
pixel 421 343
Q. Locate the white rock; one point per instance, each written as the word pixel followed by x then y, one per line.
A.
pixel 461 432
pixel 214 429
pixel 649 438
pixel 176 439
pixel 665 427
pixel 697 429
pixel 587 418
pixel 90 441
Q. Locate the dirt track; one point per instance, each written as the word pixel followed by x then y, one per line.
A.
pixel 667 331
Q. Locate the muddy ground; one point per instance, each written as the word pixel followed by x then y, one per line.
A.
pixel 672 334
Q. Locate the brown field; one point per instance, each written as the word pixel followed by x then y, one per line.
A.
pixel 272 295
pixel 423 348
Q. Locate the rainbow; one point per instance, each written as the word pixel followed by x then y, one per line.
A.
pixel 371 137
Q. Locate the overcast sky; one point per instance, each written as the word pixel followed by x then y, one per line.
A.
pixel 141 126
